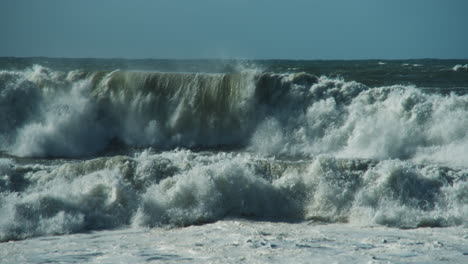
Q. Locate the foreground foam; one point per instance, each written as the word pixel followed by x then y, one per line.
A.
pixel 184 188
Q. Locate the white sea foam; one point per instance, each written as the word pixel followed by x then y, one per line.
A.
pixel 460 67
pixel 349 120
pixel 237 240
pixel 185 188
pixel 69 127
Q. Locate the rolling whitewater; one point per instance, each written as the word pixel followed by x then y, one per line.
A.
pixel 360 160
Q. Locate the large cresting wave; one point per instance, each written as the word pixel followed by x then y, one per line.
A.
pixel 48 113
pixel 55 114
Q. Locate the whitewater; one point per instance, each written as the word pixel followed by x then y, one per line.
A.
pixel 119 161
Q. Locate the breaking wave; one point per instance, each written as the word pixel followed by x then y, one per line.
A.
pixel 72 114
pixel 77 114
pixel 179 188
pixel 460 67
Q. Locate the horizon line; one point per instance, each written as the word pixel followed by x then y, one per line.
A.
pixel 221 59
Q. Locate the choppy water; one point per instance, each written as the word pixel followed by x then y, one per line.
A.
pixel 103 144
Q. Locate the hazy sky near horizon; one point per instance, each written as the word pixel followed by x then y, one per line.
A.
pixel 252 29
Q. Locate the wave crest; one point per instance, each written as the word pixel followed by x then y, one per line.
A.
pixel 296 115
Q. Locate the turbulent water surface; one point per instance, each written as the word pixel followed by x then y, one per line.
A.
pixel 91 144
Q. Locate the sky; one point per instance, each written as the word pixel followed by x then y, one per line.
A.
pixel 246 29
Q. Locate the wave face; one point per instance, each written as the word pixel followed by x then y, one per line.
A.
pixel 87 150
pixel 79 114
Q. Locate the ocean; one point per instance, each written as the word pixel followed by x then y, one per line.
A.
pixel 233 161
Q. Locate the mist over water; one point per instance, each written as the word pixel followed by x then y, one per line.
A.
pixel 89 149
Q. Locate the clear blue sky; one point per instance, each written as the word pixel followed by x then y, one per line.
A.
pixel 254 29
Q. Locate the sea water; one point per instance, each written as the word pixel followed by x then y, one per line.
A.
pixel 108 161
